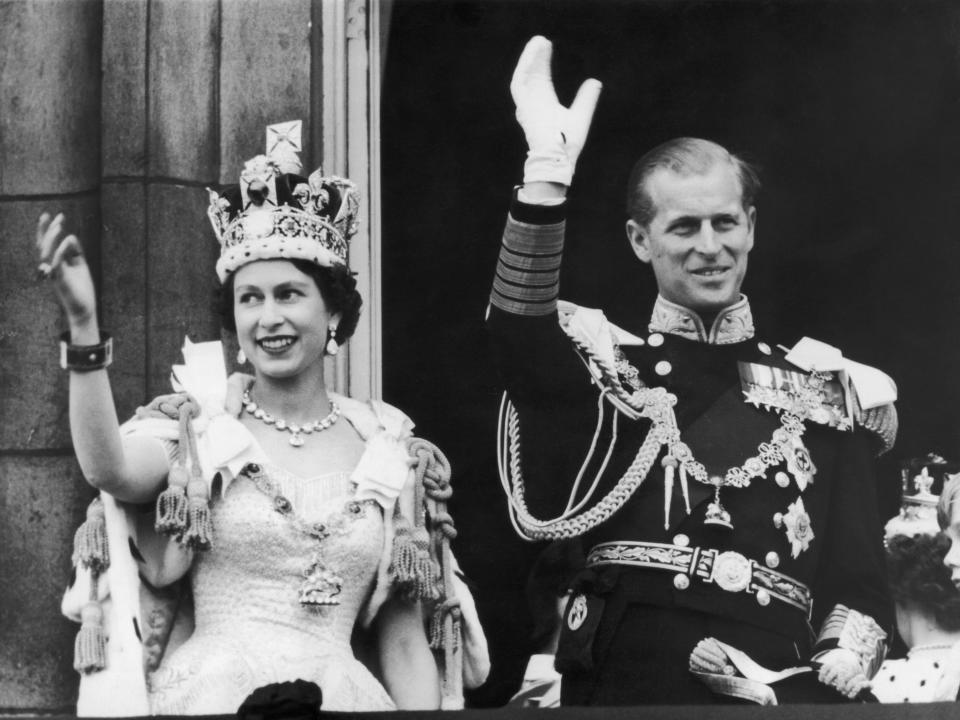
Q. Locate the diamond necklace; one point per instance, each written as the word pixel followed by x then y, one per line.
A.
pixel 296 431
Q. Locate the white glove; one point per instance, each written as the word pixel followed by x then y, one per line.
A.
pixel 555 134
pixel 708 656
pixel 840 669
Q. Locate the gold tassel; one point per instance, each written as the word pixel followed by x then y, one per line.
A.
pixel 440 636
pixel 427 571
pixel 455 635
pixel 90 648
pixel 90 549
pixel 172 503
pixel 199 533
pixel 197 527
pixel 435 630
pixel 412 569
pixel 403 556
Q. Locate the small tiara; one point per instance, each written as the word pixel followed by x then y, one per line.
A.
pixel 276 213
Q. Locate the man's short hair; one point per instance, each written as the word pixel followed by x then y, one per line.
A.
pixel 684 156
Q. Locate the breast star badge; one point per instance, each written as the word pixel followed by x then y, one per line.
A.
pixel 797 524
pixel 799 462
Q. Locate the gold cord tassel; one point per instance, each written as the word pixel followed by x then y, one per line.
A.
pixel 435 629
pixel 403 561
pixel 199 532
pixel 183 508
pixel 432 471
pixel 442 634
pixel 90 648
pixel 412 569
pixel 172 502
pixel 427 570
pixel 90 549
pixel 404 554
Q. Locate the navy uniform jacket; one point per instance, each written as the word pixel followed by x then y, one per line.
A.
pixel 547 380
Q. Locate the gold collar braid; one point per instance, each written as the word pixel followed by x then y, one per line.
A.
pixel 732 325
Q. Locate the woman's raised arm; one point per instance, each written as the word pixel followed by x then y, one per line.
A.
pixel 132 469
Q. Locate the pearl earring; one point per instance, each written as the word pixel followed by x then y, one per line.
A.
pixel 332 347
pixel 241 357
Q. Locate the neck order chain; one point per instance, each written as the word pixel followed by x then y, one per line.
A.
pixel 656 404
pixel 322 583
pixel 296 431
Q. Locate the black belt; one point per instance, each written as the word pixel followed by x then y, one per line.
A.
pixel 728 570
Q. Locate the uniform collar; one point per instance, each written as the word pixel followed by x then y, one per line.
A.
pixel 734 324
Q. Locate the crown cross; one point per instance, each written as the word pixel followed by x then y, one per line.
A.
pixel 277 213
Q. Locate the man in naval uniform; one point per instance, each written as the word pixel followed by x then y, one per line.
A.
pixel 724 487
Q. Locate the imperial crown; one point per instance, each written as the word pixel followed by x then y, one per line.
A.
pixel 275 212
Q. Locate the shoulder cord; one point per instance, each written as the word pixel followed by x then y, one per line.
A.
pixel 615 426
pixel 655 404
pixel 568 524
pixel 432 483
pixel 508 459
pixel 92 553
pixel 183 508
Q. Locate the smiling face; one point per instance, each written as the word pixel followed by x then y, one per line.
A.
pixel 281 318
pixel 699 237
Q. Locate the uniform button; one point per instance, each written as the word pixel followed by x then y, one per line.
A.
pixel 681 540
pixel 772 559
pixel 655 340
pixel 681 581
pixel 763 597
pixel 782 479
pixel 764 348
pixel 778 519
pixel 662 368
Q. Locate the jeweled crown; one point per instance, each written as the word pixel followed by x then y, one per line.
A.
pixel 275 212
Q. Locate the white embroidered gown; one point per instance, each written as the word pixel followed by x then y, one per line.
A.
pixel 251 629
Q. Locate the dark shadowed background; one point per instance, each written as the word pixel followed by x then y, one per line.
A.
pixel 852 111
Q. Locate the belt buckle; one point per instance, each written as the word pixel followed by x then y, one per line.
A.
pixel 731 571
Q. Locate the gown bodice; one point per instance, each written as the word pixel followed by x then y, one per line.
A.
pixel 250 627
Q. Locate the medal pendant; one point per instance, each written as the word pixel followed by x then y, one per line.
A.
pixel 716 513
pixel 320 587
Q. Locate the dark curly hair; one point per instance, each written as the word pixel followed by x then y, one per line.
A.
pixel 919 577
pixel 338 288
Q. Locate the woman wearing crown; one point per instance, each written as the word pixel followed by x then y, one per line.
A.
pixel 232 550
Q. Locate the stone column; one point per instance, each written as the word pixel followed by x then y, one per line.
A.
pixel 50 150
